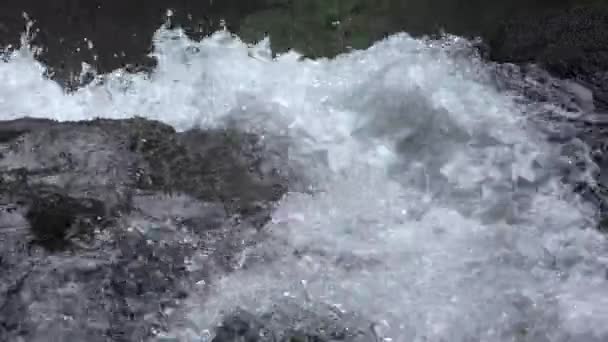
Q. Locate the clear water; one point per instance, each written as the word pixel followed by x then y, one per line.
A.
pixel 435 206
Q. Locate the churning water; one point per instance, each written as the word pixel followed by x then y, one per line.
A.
pixel 433 207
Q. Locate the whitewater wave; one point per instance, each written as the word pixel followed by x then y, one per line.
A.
pixel 436 206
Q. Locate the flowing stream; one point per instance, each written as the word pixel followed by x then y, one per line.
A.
pixel 432 202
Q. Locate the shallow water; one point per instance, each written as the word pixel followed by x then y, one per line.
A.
pixel 435 205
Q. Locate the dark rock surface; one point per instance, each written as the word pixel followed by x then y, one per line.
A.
pixel 295 325
pixel 99 221
pixel 570 43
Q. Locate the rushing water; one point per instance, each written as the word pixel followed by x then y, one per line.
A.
pixel 434 204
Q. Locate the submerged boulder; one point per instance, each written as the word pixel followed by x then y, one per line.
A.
pixel 294 323
pixel 107 224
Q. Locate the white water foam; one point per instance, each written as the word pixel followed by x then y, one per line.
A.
pixel 436 210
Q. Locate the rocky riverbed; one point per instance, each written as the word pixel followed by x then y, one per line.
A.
pixel 102 220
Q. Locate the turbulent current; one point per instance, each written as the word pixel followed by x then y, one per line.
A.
pixel 429 198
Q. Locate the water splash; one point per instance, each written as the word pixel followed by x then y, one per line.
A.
pixel 437 208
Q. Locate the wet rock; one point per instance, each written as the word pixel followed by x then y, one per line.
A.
pixel 292 323
pixel 106 225
pixel 53 218
pixel 242 326
pixel 184 165
pixel 569 42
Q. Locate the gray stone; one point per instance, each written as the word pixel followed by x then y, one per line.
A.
pixel 100 219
